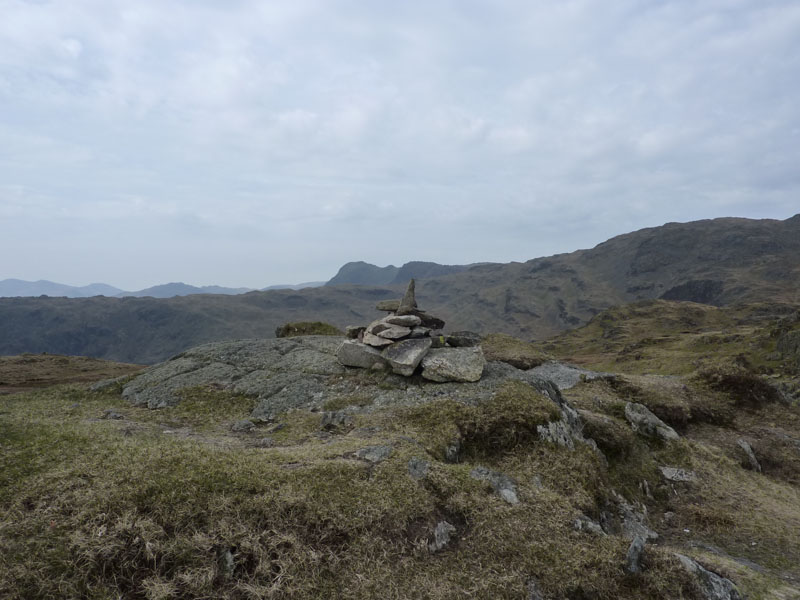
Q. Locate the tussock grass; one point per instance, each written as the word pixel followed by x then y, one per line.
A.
pixel 99 508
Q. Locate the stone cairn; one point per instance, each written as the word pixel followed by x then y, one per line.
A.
pixel 407 339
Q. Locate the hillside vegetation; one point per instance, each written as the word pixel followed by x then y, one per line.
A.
pixel 273 472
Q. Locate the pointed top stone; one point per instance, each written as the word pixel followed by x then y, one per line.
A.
pixel 409 301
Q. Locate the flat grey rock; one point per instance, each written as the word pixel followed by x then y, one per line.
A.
pixel 403 320
pixel 453 364
pixel 355 354
pixel 374 454
pixel 565 376
pixel 677 475
pixel 373 340
pixel 405 356
pixel 394 332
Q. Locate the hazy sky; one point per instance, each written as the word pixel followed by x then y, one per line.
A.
pixel 248 143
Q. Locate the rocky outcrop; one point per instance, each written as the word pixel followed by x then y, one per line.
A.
pixel 406 338
pixel 713 586
pixel 646 423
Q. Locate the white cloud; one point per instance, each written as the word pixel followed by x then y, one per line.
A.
pixel 507 123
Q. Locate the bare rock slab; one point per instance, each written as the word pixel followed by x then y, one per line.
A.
pixel 354 354
pixel 406 355
pixel 454 364
pixel 374 340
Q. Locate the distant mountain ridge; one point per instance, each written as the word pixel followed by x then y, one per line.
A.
pixel 16 288
pixel 720 262
pixel 363 273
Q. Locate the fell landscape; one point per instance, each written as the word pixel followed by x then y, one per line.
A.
pixel 650 452
pixel 399 300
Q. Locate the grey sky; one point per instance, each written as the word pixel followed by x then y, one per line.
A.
pixel 248 143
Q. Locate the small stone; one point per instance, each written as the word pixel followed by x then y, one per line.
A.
pixel 505 487
pixel 463 339
pixel 403 320
pixel 646 423
pixel 454 364
pixel 406 355
pixel 438 341
pixel 533 592
pixel 749 457
pixel 633 559
pixel 226 563
pixel 334 420
pixel 677 475
pixel 418 468
pixel 243 426
pixel 441 536
pixel 374 454
pixel 452 453
pixel 584 523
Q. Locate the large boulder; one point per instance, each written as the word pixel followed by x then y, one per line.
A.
pixel 453 364
pixel 355 354
pixel 405 356
pixel 646 423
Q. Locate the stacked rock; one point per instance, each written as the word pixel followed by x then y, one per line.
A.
pixel 408 338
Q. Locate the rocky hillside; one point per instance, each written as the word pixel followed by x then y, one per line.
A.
pixel 718 262
pixel 362 273
pixel 265 468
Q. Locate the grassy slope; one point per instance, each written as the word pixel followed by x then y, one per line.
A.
pixel 19 373
pixel 150 506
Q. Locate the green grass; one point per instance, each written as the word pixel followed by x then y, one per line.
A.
pixel 171 504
